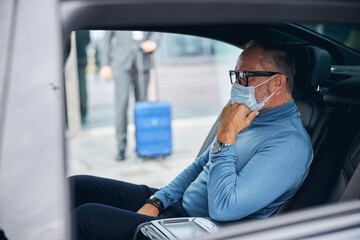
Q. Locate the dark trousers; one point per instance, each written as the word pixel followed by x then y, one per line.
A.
pixel 82 92
pixel 106 209
pixel 125 81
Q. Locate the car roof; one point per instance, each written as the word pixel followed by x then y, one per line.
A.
pixel 234 22
pixel 132 13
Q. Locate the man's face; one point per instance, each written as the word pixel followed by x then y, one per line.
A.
pixel 251 59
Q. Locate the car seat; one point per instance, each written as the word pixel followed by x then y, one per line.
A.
pixel 345 94
pixel 338 154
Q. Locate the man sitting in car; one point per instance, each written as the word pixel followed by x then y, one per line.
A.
pixel 259 159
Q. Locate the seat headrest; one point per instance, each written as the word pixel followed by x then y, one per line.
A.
pixel 344 93
pixel 320 61
pixel 313 66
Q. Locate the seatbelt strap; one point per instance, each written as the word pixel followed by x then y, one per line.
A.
pixel 352 190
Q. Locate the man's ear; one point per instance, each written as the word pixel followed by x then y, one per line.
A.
pixel 280 82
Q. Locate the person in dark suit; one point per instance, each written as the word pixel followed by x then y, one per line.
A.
pixel 82 40
pixel 125 56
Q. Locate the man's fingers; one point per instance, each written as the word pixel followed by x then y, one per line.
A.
pixel 244 108
pixel 251 116
pixel 106 72
pixel 234 118
pixel 148 46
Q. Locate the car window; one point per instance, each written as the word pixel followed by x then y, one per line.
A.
pixel 346 35
pixel 188 74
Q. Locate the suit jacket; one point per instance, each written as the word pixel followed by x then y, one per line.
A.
pixel 120 50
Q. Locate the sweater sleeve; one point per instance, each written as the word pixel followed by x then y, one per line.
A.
pixel 279 165
pixel 176 188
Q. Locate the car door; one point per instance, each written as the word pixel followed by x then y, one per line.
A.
pixel 33 195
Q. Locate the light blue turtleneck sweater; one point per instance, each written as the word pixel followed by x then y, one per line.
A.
pixel 251 178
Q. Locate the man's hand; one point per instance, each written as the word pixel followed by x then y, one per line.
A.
pixel 148 46
pixel 234 118
pixel 106 72
pixel 149 210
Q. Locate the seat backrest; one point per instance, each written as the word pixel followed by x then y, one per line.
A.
pixel 339 153
pixel 313 66
pixel 346 93
pixel 317 119
pixel 352 161
pixel 210 137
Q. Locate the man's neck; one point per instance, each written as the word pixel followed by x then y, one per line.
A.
pixel 278 101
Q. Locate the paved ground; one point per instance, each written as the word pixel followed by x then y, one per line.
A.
pixel 93 153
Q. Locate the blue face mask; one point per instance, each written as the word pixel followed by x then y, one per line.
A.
pixel 246 95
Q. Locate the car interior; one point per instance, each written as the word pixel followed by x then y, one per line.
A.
pixel 35 44
pixel 326 87
pixel 327 98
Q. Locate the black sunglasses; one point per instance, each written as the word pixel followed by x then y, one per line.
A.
pixel 243 76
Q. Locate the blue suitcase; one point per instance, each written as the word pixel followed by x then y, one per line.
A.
pixel 153 129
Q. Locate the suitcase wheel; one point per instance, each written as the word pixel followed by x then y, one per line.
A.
pixel 167 157
pixel 140 160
